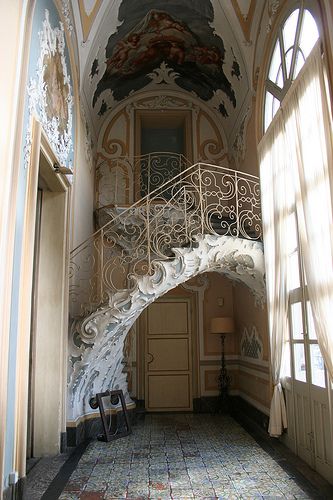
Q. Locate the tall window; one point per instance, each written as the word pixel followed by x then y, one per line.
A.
pixel 295 40
pixel 303 358
pixel 296 162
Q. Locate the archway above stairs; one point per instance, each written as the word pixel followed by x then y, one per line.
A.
pixel 96 343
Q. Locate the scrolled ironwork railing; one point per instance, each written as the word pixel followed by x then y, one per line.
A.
pixel 203 199
pixel 148 171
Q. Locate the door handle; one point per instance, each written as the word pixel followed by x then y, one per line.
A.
pixel 150 357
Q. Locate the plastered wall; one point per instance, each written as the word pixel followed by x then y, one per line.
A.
pixel 246 350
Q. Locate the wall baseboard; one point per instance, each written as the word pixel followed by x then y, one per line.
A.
pixel 15 491
pixel 92 427
pixel 245 413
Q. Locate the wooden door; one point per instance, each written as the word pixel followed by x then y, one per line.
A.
pixel 168 365
pixel 310 390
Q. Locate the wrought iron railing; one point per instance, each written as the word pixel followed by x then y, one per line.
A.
pixel 203 199
pixel 147 172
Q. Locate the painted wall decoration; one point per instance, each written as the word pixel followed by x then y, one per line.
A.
pixel 251 344
pixel 50 93
pixel 156 33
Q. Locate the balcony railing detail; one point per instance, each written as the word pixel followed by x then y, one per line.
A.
pixel 203 199
pixel 124 180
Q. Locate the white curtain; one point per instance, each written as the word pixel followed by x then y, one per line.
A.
pixel 296 168
pixel 275 200
pixel 309 134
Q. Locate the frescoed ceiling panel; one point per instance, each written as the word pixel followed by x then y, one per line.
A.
pixel 204 44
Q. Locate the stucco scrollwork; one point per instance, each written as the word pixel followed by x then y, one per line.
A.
pixel 163 74
pixel 50 93
pixel 96 355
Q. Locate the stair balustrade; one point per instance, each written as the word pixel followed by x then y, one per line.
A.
pixel 202 199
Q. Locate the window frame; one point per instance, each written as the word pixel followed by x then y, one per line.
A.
pixel 271 87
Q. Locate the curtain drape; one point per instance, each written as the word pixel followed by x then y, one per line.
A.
pixel 275 187
pixel 295 169
pixel 309 135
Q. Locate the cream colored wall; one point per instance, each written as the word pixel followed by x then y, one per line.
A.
pixel 11 48
pixel 254 383
pixel 250 162
pixel 213 295
pixel 50 352
pixel 218 291
pixel 82 222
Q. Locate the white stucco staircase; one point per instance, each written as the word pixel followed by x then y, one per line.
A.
pixel 190 246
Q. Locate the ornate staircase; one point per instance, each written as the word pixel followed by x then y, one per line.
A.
pixel 206 218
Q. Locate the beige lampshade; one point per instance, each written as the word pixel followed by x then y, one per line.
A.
pixel 222 325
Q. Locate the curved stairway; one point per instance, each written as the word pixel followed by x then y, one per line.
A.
pixel 209 221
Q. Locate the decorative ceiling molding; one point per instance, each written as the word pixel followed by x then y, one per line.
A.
pixel 245 18
pixel 87 19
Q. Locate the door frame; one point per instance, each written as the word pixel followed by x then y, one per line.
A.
pixel 172 117
pixel 42 159
pixel 141 340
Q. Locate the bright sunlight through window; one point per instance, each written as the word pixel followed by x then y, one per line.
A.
pixel 295 40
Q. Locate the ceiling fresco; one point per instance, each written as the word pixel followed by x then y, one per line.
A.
pixel 207 47
pixel 190 48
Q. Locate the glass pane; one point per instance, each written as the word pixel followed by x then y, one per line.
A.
pixel 289 30
pixel 268 109
pixel 317 366
pixel 279 78
pixel 309 33
pixel 311 328
pixel 296 321
pixel 299 64
pixel 275 63
pixel 293 272
pixel 288 58
pixel 285 368
pixel 276 105
pixel 299 362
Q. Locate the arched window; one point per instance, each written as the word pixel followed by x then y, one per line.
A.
pixel 295 39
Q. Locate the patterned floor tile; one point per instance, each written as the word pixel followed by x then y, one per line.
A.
pixel 177 457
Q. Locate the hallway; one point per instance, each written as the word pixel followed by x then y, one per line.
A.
pixel 180 456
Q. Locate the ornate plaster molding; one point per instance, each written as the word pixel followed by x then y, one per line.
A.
pixel 66 11
pixel 50 97
pixel 96 360
pixel 163 74
pixel 273 7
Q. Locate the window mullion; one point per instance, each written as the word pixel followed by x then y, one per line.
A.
pixel 296 43
pixel 283 60
pixel 274 90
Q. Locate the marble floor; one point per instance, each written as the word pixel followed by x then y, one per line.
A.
pixel 183 456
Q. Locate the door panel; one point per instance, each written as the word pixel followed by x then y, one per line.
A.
pixel 168 318
pixel 303 422
pixel 322 438
pixel 307 393
pixel 168 354
pixel 169 392
pixel 168 367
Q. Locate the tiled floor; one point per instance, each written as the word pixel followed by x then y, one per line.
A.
pixel 182 456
